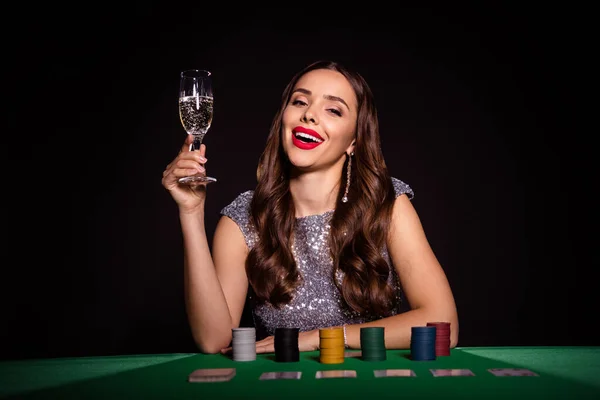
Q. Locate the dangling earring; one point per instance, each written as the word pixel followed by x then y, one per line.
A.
pixel 345 197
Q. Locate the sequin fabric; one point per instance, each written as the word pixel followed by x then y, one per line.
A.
pixel 317 302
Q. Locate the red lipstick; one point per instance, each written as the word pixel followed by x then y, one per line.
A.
pixel 305 145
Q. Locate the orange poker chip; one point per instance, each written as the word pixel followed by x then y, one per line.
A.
pixel 331 342
pixel 326 360
pixel 331 333
pixel 339 352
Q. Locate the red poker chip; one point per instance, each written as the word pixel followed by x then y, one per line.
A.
pixel 440 326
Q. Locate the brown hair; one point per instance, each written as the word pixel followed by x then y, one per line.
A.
pixel 270 265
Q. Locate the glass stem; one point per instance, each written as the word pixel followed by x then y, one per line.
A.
pixel 197 142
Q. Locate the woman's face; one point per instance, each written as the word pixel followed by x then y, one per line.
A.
pixel 319 122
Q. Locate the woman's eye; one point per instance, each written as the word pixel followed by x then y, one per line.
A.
pixel 298 102
pixel 336 112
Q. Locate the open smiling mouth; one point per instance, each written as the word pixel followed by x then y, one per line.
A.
pixel 305 141
pixel 306 138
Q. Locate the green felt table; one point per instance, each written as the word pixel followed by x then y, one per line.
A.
pixel 563 373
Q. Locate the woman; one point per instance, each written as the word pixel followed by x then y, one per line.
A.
pixel 326 238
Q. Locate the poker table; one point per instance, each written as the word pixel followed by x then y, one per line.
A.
pixel 556 373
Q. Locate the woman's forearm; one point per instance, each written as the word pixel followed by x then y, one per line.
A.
pixel 398 327
pixel 206 306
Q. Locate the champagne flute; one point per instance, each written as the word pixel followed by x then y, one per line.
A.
pixel 196 112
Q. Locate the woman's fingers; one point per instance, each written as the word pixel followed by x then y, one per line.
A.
pixel 267 345
pixel 307 341
pixel 197 156
pixel 187 160
pixel 189 164
pixel 185 147
pixel 202 150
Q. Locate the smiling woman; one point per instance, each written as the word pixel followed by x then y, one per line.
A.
pixel 327 238
pixel 318 118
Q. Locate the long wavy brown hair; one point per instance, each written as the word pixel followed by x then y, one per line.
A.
pixel 359 227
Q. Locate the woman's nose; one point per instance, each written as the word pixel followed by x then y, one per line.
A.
pixel 309 116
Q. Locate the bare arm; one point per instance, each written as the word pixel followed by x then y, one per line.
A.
pixel 215 287
pixel 215 291
pixel 423 279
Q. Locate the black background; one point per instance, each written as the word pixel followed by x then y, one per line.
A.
pixel 479 111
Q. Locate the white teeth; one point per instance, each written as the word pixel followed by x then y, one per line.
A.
pixel 306 135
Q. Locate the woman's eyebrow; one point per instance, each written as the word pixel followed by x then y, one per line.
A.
pixel 325 96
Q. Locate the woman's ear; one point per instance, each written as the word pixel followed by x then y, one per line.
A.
pixel 350 149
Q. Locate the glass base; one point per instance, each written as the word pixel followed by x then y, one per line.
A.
pixel 197 179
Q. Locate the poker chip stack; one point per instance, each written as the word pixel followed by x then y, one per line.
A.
pixel 442 338
pixel 331 344
pixel 286 344
pixel 244 344
pixel 372 343
pixel 422 343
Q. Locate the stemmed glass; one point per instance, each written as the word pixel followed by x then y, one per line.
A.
pixel 196 111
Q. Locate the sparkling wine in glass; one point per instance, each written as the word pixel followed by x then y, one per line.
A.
pixel 196 112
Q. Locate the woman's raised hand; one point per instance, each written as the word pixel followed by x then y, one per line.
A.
pixel 189 197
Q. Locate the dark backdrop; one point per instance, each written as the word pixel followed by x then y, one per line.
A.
pixel 478 110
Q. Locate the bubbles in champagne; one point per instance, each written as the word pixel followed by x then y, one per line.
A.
pixel 196 114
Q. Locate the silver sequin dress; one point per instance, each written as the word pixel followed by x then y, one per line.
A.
pixel 317 302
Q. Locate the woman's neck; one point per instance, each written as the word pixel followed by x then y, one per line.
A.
pixel 315 193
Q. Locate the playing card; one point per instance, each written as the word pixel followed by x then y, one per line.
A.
pixel 336 374
pixel 280 375
pixel 383 373
pixel 452 372
pixel 212 375
pixel 512 372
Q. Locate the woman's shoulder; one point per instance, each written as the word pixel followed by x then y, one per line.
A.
pixel 401 187
pixel 239 211
pixel 239 207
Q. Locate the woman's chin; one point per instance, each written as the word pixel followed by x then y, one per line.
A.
pixel 301 161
